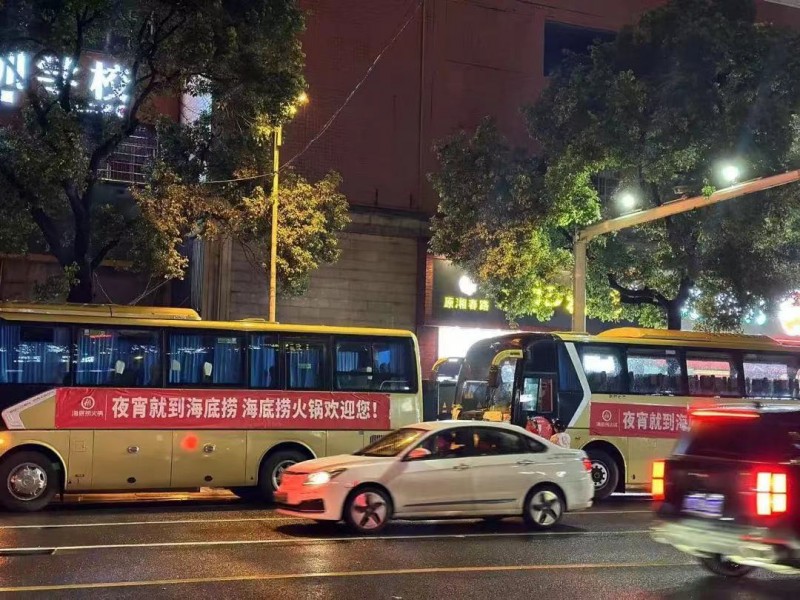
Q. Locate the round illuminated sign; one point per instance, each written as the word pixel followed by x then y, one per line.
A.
pixel 467 286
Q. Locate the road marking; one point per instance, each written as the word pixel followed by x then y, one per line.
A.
pixel 129 523
pixel 262 519
pixel 292 541
pixel 336 574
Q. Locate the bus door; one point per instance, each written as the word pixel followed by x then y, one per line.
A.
pixel 535 406
pixel 536 388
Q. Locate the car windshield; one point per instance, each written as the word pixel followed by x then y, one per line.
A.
pixel 393 443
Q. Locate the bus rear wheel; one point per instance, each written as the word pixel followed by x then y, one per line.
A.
pixel 28 481
pixel 271 471
pixel 605 474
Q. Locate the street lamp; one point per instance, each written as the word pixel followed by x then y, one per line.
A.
pixel 628 201
pixel 583 237
pixel 277 141
pixel 731 173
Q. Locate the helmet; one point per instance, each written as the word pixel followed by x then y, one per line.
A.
pixel 558 425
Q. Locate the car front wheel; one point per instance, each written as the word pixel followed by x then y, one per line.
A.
pixel 721 565
pixel 368 510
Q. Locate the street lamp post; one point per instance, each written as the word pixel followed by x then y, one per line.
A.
pixel 277 141
pixel 682 205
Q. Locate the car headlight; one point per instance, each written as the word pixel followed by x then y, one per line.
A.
pixel 322 477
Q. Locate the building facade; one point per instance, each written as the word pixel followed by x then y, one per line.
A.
pixel 455 62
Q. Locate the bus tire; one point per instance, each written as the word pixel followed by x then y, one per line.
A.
pixel 605 473
pixel 272 469
pixel 28 481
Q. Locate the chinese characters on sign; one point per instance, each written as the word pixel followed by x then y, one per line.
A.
pixel 107 84
pixel 459 303
pixel 90 408
pixel 638 420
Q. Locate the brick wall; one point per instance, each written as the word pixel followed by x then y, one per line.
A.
pixel 373 284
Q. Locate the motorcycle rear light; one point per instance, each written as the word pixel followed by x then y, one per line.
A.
pixel 771 493
pixel 657 480
pixel 587 464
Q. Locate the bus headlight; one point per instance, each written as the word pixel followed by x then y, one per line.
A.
pixel 322 477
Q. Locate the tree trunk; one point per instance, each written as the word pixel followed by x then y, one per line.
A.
pixel 83 290
pixel 674 317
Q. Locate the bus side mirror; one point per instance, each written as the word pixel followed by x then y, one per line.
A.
pixel 492 381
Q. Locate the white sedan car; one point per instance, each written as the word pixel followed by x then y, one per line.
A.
pixel 442 469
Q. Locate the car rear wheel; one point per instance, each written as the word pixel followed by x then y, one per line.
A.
pixel 368 510
pixel 605 474
pixel 721 565
pixel 544 507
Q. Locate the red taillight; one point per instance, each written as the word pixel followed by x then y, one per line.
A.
pixel 587 464
pixel 772 493
pixel 719 413
pixel 657 480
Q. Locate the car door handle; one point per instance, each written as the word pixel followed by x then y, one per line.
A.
pixel 525 462
pixel 461 467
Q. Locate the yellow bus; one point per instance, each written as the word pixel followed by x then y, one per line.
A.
pixel 117 398
pixel 623 394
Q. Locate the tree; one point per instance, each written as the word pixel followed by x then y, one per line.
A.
pixel 244 55
pixel 694 84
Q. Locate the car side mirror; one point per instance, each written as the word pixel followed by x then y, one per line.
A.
pixel 418 453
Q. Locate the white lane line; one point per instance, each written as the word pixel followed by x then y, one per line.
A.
pixel 294 541
pixel 334 574
pixel 129 523
pixel 256 520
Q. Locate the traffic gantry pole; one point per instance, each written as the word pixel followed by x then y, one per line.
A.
pixel 682 205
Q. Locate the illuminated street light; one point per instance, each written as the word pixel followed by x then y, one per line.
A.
pixel 628 201
pixel 731 173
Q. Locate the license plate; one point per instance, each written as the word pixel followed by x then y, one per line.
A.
pixel 281 498
pixel 704 505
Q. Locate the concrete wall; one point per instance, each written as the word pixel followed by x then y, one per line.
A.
pixel 374 284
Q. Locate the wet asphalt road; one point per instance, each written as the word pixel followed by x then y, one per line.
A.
pixel 223 548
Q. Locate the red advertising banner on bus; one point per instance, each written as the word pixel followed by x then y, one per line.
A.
pixel 638 420
pixel 121 408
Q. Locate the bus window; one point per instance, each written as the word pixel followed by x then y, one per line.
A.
pixel 121 357
pixel 712 373
pixel 770 376
pixel 204 359
pixel 34 354
pixel 654 371
pixel 365 366
pixel 263 352
pixel 305 365
pixel 603 368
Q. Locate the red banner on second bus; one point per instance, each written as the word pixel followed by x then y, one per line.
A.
pixel 638 420
pixel 122 408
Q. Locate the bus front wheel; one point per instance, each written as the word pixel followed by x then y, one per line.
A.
pixel 605 474
pixel 28 481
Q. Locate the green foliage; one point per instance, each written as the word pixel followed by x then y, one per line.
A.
pixel 247 55
pixel 695 83
pixel 55 289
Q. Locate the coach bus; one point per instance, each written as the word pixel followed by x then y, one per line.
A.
pixel 116 398
pixel 623 394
